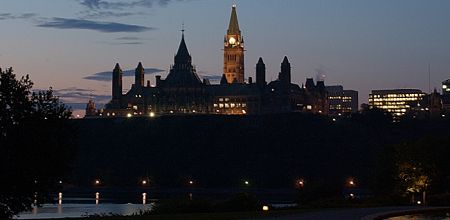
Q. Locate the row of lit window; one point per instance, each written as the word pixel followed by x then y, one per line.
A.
pixel 395 99
pixel 397 95
pixel 339 97
pixel 230 105
pixel 388 103
pixel 397 110
pixel 393 106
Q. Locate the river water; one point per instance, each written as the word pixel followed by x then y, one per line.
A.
pixel 80 210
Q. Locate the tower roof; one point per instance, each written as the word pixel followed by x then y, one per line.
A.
pixel 285 60
pixel 260 61
pixel 233 27
pixel 117 67
pixel 182 72
pixel 183 53
pixel 139 67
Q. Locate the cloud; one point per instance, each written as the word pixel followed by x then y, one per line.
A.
pixel 76 98
pixel 104 14
pixel 120 5
pixel 128 38
pixel 107 76
pixel 108 27
pixel 127 41
pixel 79 95
pixel 9 16
pixel 131 43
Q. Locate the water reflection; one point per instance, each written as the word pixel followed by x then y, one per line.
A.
pixel 60 196
pixel 97 198
pixel 66 210
pixel 144 198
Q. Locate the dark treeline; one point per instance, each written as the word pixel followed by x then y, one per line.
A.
pixel 222 151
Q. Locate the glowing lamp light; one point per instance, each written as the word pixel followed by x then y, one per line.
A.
pixel 152 114
pixel 97 182
pixel 129 115
pixel 191 182
pixel 144 182
pixel 265 208
pixel 246 182
pixel 419 202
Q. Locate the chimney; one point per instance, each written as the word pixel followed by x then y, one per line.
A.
pixel 250 80
pixel 148 83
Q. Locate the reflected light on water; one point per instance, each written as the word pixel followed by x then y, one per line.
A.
pixel 97 198
pixel 60 195
pixel 68 210
pixel 144 198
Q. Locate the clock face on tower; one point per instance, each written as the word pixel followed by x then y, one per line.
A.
pixel 232 41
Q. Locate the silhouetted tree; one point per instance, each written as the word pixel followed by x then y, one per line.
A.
pixel 35 143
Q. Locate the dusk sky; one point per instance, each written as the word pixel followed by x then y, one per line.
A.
pixel 360 44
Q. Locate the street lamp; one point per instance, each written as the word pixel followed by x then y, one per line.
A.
pixel 300 183
pixel 351 182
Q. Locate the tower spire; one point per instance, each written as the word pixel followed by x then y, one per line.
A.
pixel 233 27
pixel 182 55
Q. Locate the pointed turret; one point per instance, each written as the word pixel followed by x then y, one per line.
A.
pixel 183 56
pixel 285 74
pixel 117 84
pixel 260 73
pixel 183 73
pixel 233 27
pixel 139 75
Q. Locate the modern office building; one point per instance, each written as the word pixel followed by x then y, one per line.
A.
pixel 396 101
pixel 340 101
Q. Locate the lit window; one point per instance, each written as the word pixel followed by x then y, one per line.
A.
pixel 220 105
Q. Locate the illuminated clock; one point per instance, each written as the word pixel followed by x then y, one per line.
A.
pixel 232 41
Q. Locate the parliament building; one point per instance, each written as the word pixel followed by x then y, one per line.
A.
pixel 184 92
